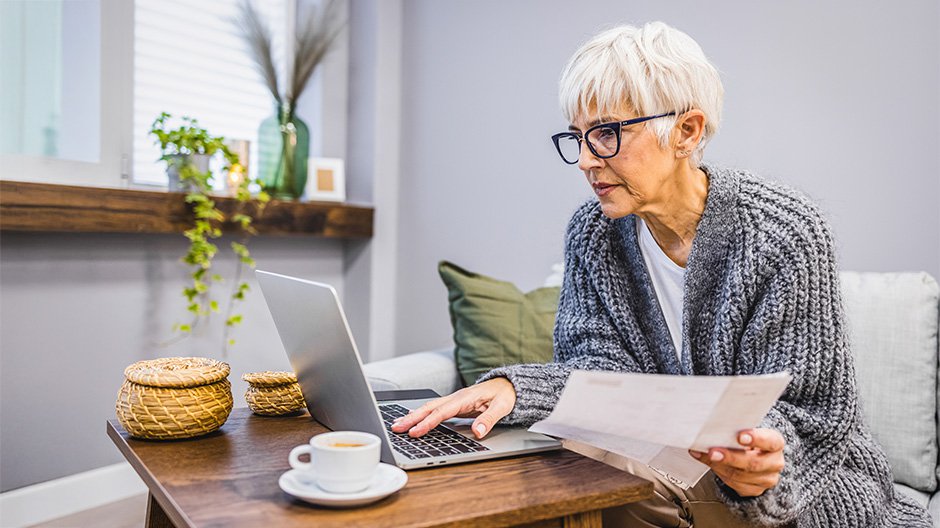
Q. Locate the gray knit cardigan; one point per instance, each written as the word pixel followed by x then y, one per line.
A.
pixel 761 295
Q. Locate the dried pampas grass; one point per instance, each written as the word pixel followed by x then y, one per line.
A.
pixel 314 36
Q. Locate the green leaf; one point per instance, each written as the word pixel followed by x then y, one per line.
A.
pixel 239 249
pixel 214 306
pixel 240 292
pixel 185 328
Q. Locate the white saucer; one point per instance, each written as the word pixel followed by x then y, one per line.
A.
pixel 387 480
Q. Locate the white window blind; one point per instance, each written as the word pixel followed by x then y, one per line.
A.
pixel 190 59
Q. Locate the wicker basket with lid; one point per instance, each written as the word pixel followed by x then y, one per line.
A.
pixel 174 397
pixel 273 393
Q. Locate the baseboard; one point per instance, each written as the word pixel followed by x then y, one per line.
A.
pixel 67 495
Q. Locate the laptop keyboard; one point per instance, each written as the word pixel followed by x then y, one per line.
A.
pixel 437 442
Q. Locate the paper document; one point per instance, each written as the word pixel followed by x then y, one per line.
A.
pixel 655 419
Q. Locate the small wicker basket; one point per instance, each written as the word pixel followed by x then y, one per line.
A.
pixel 174 397
pixel 273 393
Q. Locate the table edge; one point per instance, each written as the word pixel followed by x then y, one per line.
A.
pixel 159 493
pixel 556 511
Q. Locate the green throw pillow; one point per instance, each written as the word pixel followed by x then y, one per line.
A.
pixel 495 324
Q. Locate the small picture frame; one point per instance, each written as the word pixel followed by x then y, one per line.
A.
pixel 326 180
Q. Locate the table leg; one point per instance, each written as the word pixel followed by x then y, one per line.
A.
pixel 590 519
pixel 156 517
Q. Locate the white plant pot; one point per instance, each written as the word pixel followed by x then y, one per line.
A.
pixel 176 162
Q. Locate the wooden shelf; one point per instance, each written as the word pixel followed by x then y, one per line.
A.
pixel 26 206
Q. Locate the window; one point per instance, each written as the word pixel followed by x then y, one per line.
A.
pixel 81 81
pixel 65 88
pixel 51 96
pixel 189 59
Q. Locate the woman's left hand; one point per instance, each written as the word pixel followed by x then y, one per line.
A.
pixel 750 471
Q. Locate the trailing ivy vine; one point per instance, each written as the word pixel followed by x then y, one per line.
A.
pixel 179 145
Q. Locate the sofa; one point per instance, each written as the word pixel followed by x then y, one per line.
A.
pixel 892 321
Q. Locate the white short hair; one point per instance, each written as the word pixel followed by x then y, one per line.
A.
pixel 653 69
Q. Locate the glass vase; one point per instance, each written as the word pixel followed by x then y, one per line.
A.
pixel 283 148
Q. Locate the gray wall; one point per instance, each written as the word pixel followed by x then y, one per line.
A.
pixel 76 309
pixel 839 99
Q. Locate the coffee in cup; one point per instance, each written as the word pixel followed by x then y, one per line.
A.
pixel 340 462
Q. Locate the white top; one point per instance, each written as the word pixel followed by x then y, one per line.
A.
pixel 668 281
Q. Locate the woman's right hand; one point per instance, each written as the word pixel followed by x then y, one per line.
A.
pixel 488 402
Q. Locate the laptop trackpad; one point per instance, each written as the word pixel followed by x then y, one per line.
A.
pixel 502 437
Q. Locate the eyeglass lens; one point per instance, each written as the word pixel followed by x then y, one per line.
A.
pixel 603 140
pixel 569 147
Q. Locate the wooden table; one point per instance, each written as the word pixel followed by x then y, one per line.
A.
pixel 229 478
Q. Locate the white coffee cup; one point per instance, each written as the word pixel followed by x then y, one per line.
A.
pixel 340 462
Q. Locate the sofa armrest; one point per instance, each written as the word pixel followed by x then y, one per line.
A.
pixel 435 370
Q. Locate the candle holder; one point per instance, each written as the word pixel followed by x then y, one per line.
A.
pixel 238 172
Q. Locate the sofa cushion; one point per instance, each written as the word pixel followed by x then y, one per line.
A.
pixel 919 496
pixel 892 323
pixel 433 370
pixel 495 324
pixel 934 508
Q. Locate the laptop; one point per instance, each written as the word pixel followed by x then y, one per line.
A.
pixel 313 328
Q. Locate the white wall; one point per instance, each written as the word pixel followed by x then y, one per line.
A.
pixel 839 99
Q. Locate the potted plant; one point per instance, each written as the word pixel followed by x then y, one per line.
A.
pixel 187 149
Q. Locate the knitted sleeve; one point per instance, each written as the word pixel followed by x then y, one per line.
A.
pixel 585 338
pixel 797 325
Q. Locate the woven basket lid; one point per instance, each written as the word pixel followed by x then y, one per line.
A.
pixel 177 372
pixel 269 378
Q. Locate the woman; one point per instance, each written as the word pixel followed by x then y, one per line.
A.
pixel 683 268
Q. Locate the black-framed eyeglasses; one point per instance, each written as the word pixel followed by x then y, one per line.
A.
pixel 602 139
